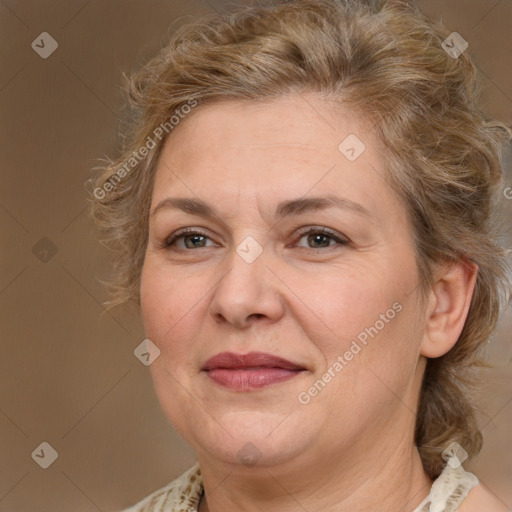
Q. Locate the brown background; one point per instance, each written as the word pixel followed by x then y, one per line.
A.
pixel 68 375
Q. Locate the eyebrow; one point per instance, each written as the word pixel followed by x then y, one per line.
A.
pixel 287 208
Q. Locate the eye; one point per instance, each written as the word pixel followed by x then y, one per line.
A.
pixel 320 238
pixel 192 238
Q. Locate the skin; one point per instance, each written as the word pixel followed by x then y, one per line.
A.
pixel 304 299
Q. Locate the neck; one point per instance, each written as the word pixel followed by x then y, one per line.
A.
pixel 383 479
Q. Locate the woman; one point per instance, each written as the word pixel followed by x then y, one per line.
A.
pixel 304 215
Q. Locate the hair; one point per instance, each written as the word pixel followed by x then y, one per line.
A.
pixel 386 63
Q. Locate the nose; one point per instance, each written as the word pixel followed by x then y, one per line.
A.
pixel 247 293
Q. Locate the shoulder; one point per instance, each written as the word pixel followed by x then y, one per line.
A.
pixel 181 495
pixel 480 498
pixel 459 490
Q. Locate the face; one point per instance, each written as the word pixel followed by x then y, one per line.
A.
pixel 295 263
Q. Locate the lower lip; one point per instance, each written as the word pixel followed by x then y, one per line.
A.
pixel 256 378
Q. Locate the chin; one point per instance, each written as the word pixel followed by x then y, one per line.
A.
pixel 251 438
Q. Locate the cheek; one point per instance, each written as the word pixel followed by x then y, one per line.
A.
pixel 373 332
pixel 164 307
pixel 350 308
pixel 371 367
pixel 165 303
pixel 173 309
pixel 154 301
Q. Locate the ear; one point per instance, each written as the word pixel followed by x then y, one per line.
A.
pixel 448 306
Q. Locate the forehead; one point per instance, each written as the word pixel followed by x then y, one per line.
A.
pixel 284 147
pixel 306 125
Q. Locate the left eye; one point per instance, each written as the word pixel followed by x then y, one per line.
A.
pixel 321 237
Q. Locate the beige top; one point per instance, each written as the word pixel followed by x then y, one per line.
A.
pixel 183 494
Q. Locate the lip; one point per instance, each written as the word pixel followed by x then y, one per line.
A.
pixel 255 370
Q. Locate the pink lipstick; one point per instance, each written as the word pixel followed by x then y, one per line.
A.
pixel 255 370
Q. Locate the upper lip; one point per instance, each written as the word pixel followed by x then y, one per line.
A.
pixel 231 361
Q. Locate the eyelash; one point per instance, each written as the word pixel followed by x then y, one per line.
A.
pixel 169 242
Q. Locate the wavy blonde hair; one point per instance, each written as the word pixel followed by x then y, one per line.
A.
pixel 386 62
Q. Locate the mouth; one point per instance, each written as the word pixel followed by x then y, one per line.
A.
pixel 255 370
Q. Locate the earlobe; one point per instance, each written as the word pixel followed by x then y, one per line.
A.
pixel 448 306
